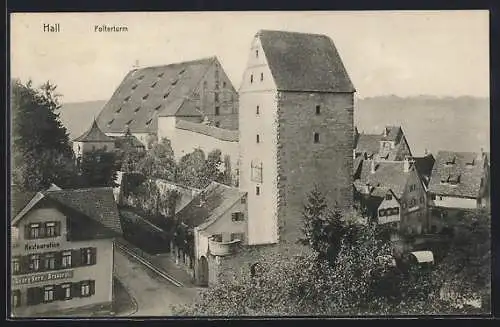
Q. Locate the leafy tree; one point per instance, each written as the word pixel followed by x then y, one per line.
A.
pixel 190 170
pixel 41 151
pixel 159 161
pixel 97 169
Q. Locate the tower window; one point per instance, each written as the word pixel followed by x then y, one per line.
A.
pixel 217 111
pixel 223 84
pixel 256 53
pixel 251 78
pixel 257 111
pixel 316 137
pixel 261 77
pixel 258 138
pixel 257 190
pixel 318 109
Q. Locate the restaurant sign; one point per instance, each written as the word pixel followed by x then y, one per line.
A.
pixel 42 277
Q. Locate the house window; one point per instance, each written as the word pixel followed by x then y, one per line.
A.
pixel 66 291
pixel 223 84
pixel 261 77
pixel 16 298
pixel 217 237
pixel 217 124
pixel 257 190
pixel 34 231
pixel 243 200
pixel 413 202
pixel 237 236
pixel 217 111
pixel 381 212
pixel 388 196
pixel 251 78
pixel 85 288
pixel 52 229
pixel 66 259
pixel 433 196
pixel 256 172
pixel 89 256
pixel 256 53
pixel 50 261
pixel 257 111
pixel 316 137
pixel 16 268
pixel 258 138
pixel 48 293
pixel 237 216
pixel 318 109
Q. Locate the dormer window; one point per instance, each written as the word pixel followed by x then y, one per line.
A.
pixel 174 82
pixel 129 122
pixel 470 163
pixel 154 84
pixel 166 95
pixel 137 109
pixel 157 107
pixel 118 110
pixel 145 97
pixel 160 75
pixel 134 86
pixel 182 71
pixel 388 196
pixel 454 179
pixel 149 121
pixel 140 78
pixel 450 160
pixel 111 122
pixel 127 98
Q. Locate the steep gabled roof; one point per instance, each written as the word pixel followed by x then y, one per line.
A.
pixel 304 62
pixel 392 133
pixel 96 203
pixel 368 143
pixel 149 92
pixel 94 134
pixel 424 166
pixel 388 174
pixel 212 202
pixel 454 165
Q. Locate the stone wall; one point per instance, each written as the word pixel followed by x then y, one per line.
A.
pixel 302 163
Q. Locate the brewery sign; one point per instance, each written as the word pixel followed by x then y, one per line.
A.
pixel 42 277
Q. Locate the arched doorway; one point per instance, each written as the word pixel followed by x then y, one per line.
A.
pixel 203 271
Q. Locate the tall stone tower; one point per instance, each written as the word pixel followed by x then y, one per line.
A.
pixel 296 131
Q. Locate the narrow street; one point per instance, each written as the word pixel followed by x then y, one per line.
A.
pixel 154 295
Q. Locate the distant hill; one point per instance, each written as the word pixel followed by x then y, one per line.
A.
pixel 432 123
pixel 78 116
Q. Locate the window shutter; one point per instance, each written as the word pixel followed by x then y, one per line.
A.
pixel 76 258
pixel 59 292
pixel 92 287
pixel 58 228
pixel 30 296
pixel 58 258
pixel 94 256
pixel 24 264
pixel 27 232
pixel 38 295
pixel 76 289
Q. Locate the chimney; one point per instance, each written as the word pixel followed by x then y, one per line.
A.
pixel 385 131
pixel 426 152
pixel 372 166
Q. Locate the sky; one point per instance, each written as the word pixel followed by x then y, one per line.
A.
pixel 442 53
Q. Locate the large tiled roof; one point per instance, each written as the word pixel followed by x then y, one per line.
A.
pixel 304 62
pixel 469 176
pixel 369 144
pixel 388 174
pixel 392 133
pixel 212 202
pixel 96 203
pixel 94 134
pixel 218 133
pixel 149 92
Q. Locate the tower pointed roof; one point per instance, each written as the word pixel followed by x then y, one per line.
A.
pixel 94 134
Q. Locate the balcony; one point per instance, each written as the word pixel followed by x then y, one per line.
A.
pixel 223 248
